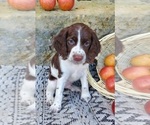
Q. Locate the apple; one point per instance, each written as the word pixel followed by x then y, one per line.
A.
pixel 109 60
pixel 113 107
pixel 142 84
pixel 106 72
pixel 147 107
pixel 65 5
pixel 110 84
pixel 22 4
pixel 134 72
pixel 48 4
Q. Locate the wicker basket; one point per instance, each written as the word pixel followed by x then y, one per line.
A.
pixel 135 45
pixel 108 47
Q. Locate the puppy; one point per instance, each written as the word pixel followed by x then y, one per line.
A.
pixel 27 91
pixel 76 47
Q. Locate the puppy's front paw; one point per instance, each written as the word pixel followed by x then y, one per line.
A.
pixel 50 100
pixel 86 97
pixel 31 108
pixel 55 107
pixel 27 101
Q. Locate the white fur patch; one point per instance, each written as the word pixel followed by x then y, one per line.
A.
pixel 27 92
pixel 32 70
pixel 77 50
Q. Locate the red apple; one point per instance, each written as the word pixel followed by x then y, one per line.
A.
pixel 22 4
pixel 48 4
pixel 110 84
pixel 66 5
pixel 142 84
pixel 147 107
pixel 133 72
pixel 113 107
pixel 106 72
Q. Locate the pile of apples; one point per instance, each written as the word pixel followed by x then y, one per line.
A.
pixel 107 73
pixel 65 5
pixel 139 75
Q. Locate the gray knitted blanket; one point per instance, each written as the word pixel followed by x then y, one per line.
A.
pixel 74 111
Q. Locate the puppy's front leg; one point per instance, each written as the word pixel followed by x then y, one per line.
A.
pixel 85 94
pixel 56 106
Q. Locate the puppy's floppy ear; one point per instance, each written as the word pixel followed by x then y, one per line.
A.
pixel 60 43
pixel 94 48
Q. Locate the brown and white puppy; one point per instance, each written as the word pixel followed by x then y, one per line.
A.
pixel 76 46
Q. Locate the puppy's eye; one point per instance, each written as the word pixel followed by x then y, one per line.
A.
pixel 71 42
pixel 87 43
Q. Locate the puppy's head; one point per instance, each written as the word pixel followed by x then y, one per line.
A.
pixel 77 43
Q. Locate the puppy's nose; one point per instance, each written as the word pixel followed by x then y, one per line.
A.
pixel 77 57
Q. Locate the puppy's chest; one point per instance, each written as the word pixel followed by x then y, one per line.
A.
pixel 75 72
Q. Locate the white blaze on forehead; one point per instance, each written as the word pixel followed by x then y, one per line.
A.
pixel 77 49
pixel 79 37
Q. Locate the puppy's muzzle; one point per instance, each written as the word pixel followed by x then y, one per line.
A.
pixel 77 57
